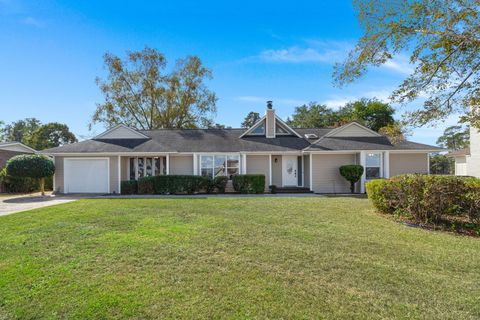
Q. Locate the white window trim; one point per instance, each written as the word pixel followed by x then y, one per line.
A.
pixel 220 155
pixel 381 173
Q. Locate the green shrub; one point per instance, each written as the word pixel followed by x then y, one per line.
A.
pixel 33 166
pixel 129 187
pixel 18 185
pixel 273 188
pixel 352 173
pixel 146 185
pixel 220 183
pixel 249 183
pixel 427 198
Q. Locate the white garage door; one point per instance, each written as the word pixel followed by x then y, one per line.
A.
pixel 86 175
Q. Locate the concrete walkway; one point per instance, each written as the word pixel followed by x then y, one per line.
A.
pixel 17 203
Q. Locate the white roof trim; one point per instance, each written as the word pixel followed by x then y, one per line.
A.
pixel 254 126
pixel 287 126
pixel 276 119
pixel 121 125
pixel 15 143
pixel 337 130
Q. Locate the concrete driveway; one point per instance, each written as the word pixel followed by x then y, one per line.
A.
pixel 17 203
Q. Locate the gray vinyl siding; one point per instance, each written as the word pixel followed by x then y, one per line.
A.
pixel 401 163
pixel 59 174
pixel 306 170
pixel 258 164
pixel 114 178
pixel 5 155
pixel 326 177
pixel 277 170
pixel 181 165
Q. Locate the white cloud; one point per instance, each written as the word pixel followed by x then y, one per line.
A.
pixel 400 63
pixel 316 51
pixel 33 22
pixel 336 101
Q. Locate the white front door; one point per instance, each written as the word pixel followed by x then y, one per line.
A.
pixel 290 170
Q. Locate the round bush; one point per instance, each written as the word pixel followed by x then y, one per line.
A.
pixel 352 173
pixel 30 166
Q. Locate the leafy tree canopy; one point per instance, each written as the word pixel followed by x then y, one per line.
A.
pixel 313 115
pixel 20 130
pixel 51 135
pixel 34 134
pixel 455 138
pixel 441 164
pixel 250 119
pixel 372 113
pixel 443 43
pixel 141 94
pixel 34 166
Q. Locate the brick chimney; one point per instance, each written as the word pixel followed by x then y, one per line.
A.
pixel 270 121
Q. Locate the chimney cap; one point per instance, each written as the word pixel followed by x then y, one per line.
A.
pixel 269 104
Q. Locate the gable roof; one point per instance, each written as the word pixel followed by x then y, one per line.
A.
pixel 353 129
pixel 121 131
pixel 16 146
pixel 264 119
pixel 232 140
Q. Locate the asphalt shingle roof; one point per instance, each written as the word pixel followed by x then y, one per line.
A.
pixel 227 140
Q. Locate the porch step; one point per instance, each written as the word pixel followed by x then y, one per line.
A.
pixel 229 187
pixel 293 190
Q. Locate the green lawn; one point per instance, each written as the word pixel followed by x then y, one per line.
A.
pixel 231 258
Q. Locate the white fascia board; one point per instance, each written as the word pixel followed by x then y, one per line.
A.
pixel 254 127
pixel 277 118
pixel 19 144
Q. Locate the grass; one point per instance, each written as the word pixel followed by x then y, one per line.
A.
pixel 329 258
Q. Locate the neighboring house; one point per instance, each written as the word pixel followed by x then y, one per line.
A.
pixel 467 161
pixel 287 157
pixel 9 150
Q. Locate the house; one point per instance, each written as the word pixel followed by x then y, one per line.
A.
pixel 9 150
pixel 467 161
pixel 288 157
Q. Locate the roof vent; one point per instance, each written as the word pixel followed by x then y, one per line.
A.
pixel 311 136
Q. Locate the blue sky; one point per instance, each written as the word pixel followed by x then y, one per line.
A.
pixel 51 52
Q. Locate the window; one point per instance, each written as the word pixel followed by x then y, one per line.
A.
pixel 149 167
pixel 259 130
pixel 140 167
pixel 132 168
pixel 219 165
pixel 280 130
pixel 373 165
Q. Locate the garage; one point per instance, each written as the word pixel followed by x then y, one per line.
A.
pixel 83 175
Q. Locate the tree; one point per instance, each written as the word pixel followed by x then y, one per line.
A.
pixel 313 115
pixel 441 164
pixel 455 138
pixel 20 130
pixel 441 39
pixel 51 135
pixel 33 166
pixel 139 93
pixel 250 119
pixel 372 113
pixel 36 135
pixel 352 173
pixel 395 132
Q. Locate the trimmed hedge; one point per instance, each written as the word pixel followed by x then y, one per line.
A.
pixel 171 184
pixel 427 199
pixel 220 183
pixel 129 187
pixel 249 183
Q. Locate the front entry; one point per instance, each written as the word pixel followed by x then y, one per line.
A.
pixel 290 171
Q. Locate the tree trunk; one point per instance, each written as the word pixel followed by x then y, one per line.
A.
pixel 42 186
pixel 352 186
